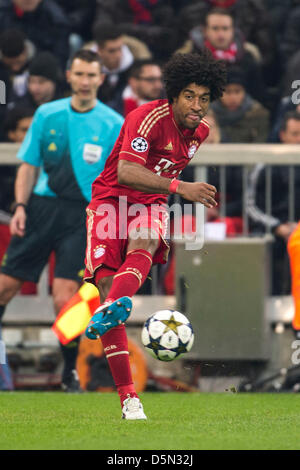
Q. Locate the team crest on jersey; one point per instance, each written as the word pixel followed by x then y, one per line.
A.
pixel 193 148
pixel 99 251
pixel 139 144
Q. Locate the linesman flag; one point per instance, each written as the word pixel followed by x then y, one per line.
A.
pixel 74 317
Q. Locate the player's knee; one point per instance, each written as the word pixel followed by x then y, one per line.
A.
pixel 104 285
pixel 147 241
pixel 9 286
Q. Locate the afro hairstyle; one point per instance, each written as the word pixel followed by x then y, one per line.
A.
pixel 199 68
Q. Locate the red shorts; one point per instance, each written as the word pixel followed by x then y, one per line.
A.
pixel 108 228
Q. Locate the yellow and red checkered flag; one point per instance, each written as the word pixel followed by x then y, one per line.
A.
pixel 74 317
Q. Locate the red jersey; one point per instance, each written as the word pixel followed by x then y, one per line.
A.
pixel 150 137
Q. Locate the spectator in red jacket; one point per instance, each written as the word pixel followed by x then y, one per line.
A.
pixel 251 17
pixel 223 40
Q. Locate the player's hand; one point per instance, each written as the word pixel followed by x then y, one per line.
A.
pixel 18 222
pixel 198 192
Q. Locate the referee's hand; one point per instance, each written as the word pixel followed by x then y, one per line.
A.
pixel 18 222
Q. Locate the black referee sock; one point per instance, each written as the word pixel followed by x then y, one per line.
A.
pixel 69 352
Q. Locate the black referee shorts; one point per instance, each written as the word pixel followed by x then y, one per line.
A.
pixel 51 225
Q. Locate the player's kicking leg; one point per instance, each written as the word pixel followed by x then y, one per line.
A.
pixel 108 323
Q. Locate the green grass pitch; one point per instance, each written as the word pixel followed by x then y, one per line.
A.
pixel 176 421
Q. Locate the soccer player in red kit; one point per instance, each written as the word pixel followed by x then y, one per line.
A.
pixel 155 144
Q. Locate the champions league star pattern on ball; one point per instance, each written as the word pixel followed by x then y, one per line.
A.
pixel 167 335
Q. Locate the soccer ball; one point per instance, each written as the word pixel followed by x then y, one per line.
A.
pixel 167 335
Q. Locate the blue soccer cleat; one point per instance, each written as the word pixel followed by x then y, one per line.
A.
pixel 108 316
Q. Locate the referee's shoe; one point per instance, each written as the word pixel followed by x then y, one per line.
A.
pixel 70 383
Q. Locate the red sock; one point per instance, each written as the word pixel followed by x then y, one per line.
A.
pixel 131 275
pixel 115 346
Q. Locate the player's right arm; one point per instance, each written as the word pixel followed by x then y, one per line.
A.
pixel 132 172
pixel 25 180
pixel 140 178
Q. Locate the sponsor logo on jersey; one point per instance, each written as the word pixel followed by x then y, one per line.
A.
pixel 139 144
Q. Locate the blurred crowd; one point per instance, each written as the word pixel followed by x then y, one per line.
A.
pixel 258 39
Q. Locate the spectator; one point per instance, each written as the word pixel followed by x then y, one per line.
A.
pixel 80 14
pixel 116 59
pixel 17 123
pixel 278 12
pixel 145 83
pixel 44 81
pixel 224 41
pixel 151 21
pixel 241 119
pixel 290 74
pixel 286 105
pixel 16 54
pixel 215 134
pixel 290 41
pixel 42 21
pixel 277 221
pixel 232 216
pixel 251 17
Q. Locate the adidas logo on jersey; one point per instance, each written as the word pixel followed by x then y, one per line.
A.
pixel 169 146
